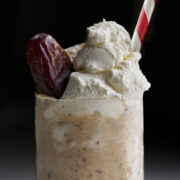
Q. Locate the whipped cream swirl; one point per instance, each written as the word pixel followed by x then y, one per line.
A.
pixel 105 65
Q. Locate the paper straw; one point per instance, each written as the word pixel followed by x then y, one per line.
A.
pixel 142 24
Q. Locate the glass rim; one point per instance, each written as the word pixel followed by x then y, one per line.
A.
pixel 116 99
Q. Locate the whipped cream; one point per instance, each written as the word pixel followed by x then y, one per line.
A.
pixel 73 51
pixel 105 65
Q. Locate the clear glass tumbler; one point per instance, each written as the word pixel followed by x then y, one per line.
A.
pixel 93 139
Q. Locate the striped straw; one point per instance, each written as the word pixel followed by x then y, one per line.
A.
pixel 142 24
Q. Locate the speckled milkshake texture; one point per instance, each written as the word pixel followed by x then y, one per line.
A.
pixel 89 139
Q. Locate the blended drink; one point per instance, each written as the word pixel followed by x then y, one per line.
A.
pixel 89 139
pixel 95 130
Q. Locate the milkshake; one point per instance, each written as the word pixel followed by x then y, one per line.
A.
pixel 89 139
pixel 95 130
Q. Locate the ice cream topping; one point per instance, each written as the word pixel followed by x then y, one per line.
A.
pixel 105 65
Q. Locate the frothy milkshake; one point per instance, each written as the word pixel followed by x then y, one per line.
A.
pixel 95 131
pixel 89 139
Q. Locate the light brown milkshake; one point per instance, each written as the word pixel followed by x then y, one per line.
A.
pixel 92 126
pixel 89 139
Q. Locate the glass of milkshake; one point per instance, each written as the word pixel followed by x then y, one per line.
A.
pixel 89 139
pixel 95 130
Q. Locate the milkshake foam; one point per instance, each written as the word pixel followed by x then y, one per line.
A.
pixel 105 65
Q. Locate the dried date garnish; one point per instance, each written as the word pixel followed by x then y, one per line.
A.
pixel 49 63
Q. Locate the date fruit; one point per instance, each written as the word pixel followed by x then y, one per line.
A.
pixel 49 63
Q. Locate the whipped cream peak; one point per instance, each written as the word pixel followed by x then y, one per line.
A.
pixel 105 65
pixel 107 44
pixel 108 32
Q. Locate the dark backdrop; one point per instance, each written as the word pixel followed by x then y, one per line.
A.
pixel 66 21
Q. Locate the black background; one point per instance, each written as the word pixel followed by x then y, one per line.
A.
pixel 66 21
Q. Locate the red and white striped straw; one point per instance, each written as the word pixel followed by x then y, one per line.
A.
pixel 142 24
